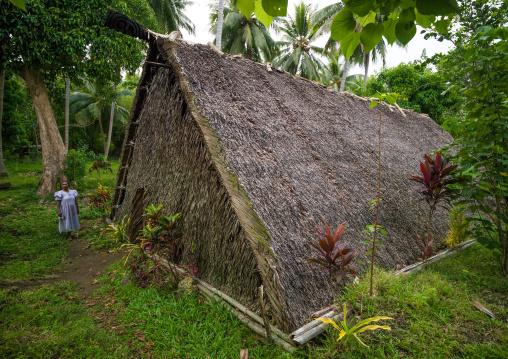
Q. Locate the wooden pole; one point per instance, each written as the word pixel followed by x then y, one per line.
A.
pixel 241 308
pixel 265 320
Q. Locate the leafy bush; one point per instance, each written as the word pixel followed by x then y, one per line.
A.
pixel 436 180
pixel 159 239
pixel 333 257
pixel 101 199
pixel 75 165
pixel 459 227
pixel 118 231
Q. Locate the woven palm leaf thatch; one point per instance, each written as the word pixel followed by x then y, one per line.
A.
pixel 254 158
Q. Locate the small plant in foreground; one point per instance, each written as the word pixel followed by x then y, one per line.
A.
pixel 458 227
pixel 425 247
pixel 118 231
pixel 346 332
pixel 435 191
pixel 333 257
pixel 101 199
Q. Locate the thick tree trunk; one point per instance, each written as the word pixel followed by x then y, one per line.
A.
pixel 3 169
pixel 218 39
pixel 53 148
pixel 366 62
pixel 67 96
pixel 344 75
pixel 110 130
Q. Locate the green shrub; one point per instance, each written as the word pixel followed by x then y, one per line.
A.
pixel 458 227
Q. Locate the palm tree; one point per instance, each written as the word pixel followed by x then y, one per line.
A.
pixel 88 107
pixel 298 55
pixel 338 77
pixel 240 35
pixel 170 15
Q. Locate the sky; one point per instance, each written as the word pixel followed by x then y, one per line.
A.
pixel 200 11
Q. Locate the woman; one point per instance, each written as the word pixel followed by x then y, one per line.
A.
pixel 67 204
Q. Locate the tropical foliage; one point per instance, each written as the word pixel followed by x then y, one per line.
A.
pixel 298 54
pixel 171 16
pixel 100 101
pixel 242 35
pixel 334 257
pixel 348 330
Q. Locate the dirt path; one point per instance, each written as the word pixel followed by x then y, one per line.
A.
pixel 84 267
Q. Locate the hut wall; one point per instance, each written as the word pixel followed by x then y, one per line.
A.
pixel 171 166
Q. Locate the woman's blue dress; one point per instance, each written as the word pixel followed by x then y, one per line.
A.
pixel 69 221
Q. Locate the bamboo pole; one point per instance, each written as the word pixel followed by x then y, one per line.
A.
pixel 315 331
pixel 255 327
pixel 228 299
pixel 417 266
pixel 310 325
pixel 265 320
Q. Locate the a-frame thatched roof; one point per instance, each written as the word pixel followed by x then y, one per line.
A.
pixel 254 158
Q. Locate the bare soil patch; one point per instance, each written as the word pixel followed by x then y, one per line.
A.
pixel 83 267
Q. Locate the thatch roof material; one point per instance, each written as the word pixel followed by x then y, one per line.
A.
pixel 253 159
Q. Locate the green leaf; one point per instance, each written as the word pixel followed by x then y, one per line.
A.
pixel 389 6
pixel 425 21
pixel 349 44
pixel 261 15
pixel 437 7
pixel 343 25
pixel 389 31
pixel 361 7
pixel 391 99
pixel 405 29
pixel 19 3
pixel 442 26
pixel 373 104
pixel 275 7
pixel 371 35
pixel 367 19
pixel 246 7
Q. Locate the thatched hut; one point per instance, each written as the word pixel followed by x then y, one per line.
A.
pixel 253 157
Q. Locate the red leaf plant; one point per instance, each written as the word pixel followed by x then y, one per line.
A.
pixel 333 257
pixel 435 191
pixel 425 247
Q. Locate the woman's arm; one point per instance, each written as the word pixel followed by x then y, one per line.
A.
pixel 76 201
pixel 58 204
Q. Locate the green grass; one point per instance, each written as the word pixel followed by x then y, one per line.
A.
pixel 432 310
pixel 30 245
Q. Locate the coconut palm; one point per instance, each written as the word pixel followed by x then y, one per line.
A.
pixel 336 73
pixel 298 55
pixel 170 15
pixel 240 35
pixel 89 107
pixel 323 19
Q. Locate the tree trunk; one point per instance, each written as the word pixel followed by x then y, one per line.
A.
pixel 102 132
pixel 366 62
pixel 344 75
pixel 67 96
pixel 218 39
pixel 3 169
pixel 110 130
pixel 53 148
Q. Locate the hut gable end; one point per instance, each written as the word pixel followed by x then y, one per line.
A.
pixel 253 159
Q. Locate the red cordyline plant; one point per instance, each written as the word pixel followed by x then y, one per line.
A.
pixel 334 257
pixel 435 191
